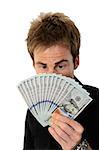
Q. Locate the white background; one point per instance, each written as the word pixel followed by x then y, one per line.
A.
pixel 16 64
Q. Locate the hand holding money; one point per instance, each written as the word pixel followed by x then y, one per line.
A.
pixel 44 93
pixel 66 131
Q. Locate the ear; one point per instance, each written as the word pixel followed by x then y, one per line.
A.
pixel 76 62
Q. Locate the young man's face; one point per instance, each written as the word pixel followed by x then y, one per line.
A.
pixel 55 59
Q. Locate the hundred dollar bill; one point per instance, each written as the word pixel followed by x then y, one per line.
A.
pixel 75 102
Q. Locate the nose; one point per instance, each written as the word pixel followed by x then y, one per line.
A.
pixel 51 70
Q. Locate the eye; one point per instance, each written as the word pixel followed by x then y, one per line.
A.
pixel 60 67
pixel 44 66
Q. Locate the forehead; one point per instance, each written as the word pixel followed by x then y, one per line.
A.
pixel 52 53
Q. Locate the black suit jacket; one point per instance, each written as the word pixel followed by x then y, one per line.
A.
pixel 38 138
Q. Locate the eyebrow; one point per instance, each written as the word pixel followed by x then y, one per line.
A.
pixel 40 63
pixel 63 60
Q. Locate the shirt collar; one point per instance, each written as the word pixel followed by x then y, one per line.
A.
pixel 76 79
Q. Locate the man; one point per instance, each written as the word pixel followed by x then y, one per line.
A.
pixel 53 43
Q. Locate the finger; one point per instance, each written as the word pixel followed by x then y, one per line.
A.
pixel 56 136
pixel 64 144
pixel 74 124
pixel 60 132
pixel 73 135
pixel 65 127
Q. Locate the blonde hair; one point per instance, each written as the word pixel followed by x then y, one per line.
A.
pixel 50 29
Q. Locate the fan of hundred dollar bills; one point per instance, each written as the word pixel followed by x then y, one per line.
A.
pixel 44 93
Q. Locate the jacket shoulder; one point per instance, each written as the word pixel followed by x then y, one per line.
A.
pixel 93 91
pixel 91 88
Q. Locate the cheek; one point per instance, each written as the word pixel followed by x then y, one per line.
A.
pixel 69 71
pixel 38 71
